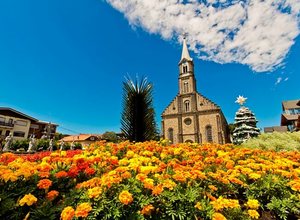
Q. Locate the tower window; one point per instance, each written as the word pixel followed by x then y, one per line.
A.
pixel 185 87
pixel 208 131
pixel 171 135
pixel 187 106
pixel 185 69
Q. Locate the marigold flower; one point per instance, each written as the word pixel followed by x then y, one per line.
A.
pixel 28 199
pixel 222 203
pixel 198 206
pixel 90 171
pixel 253 213
pixel 61 174
pixel 125 197
pixel 52 195
pixel 67 213
pixel 94 192
pixel 252 204
pixel 254 176
pixel 83 210
pixel 213 188
pixel 147 209
pixel 44 184
pixel 218 216
pixel 157 190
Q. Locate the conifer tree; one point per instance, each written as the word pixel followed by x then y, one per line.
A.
pixel 137 121
pixel 245 123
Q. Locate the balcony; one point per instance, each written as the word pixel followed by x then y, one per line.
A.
pixel 5 124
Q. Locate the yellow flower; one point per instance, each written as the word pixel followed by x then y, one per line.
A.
pixel 83 210
pixel 252 204
pixel 253 213
pixel 254 176
pixel 222 203
pixel 67 213
pixel 94 192
pixel 125 197
pixel 198 206
pixel 218 216
pixel 28 199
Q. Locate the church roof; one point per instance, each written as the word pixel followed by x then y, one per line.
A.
pixel 185 55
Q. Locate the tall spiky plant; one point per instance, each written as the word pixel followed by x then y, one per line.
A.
pixel 137 121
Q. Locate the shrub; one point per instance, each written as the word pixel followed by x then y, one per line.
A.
pixel 276 141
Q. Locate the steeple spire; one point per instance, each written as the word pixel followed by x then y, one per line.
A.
pixel 185 52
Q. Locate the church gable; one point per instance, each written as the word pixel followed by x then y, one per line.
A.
pixel 205 104
pixel 172 108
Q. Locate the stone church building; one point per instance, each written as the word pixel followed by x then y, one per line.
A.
pixel 191 117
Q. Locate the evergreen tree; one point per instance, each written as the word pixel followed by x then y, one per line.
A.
pixel 137 121
pixel 245 123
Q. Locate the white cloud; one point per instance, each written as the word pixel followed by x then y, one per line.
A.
pixel 279 79
pixel 286 79
pixel 252 32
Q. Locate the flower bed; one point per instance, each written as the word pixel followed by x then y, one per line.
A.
pixel 151 181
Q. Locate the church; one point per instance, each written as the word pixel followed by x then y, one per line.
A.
pixel 191 117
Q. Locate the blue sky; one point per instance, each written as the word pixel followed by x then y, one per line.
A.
pixel 65 61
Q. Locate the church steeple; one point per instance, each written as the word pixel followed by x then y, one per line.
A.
pixel 185 52
pixel 187 81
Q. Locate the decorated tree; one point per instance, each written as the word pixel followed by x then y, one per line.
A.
pixel 245 123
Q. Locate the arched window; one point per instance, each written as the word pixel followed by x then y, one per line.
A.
pixel 208 131
pixel 171 135
pixel 187 106
pixel 184 68
pixel 185 87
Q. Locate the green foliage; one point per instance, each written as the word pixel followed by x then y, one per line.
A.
pixel 284 208
pixel 137 121
pixel 111 137
pixel 18 144
pixel 276 141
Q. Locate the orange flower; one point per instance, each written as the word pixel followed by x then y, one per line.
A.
pixel 83 210
pixel 28 199
pixel 218 216
pixel 147 210
pixel 253 213
pixel 52 195
pixel 157 190
pixel 125 197
pixel 61 174
pixel 67 213
pixel 44 184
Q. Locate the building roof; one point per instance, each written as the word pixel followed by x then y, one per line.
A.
pixel 275 128
pixel 80 137
pixel 285 118
pixel 185 52
pixel 291 104
pixel 46 122
pixel 16 113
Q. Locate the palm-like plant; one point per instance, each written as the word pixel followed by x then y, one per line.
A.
pixel 137 121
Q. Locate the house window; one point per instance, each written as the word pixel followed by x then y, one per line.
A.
pixel 7 133
pixel 19 134
pixel 171 135
pixel 218 123
pixel 187 106
pixel 21 123
pixel 208 131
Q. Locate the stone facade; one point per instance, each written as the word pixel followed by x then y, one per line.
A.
pixel 191 117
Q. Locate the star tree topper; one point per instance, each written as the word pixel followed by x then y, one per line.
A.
pixel 240 100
